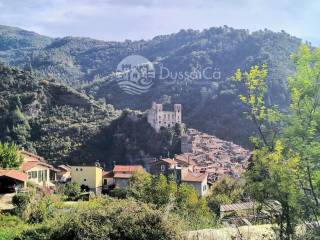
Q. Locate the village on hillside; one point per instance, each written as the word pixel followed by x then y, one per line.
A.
pixel 204 159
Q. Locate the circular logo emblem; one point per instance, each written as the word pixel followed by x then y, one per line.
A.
pixel 135 74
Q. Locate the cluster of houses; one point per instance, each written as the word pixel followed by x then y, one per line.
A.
pixel 203 160
pixel 216 157
pixel 38 172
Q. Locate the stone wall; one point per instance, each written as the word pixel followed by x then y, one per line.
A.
pixel 258 232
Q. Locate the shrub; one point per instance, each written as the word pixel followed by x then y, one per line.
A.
pixel 72 190
pixel 41 210
pixel 21 202
pixel 122 219
pixel 119 193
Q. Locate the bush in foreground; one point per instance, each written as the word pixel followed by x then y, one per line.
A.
pixel 114 220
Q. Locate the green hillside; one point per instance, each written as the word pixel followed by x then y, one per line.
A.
pixel 47 117
pixel 209 106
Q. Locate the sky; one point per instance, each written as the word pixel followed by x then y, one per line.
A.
pixel 118 20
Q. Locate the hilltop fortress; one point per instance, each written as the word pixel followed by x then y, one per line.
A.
pixel 158 118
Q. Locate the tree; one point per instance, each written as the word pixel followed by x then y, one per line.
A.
pixel 20 127
pixel 226 191
pixel 193 208
pixel 9 156
pixel 302 132
pixel 285 159
pixel 272 174
pixel 140 185
pixel 169 197
pixel 160 194
pixel 72 190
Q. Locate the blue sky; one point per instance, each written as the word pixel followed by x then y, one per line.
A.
pixel 144 19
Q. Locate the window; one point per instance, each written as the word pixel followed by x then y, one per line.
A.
pixel 204 187
pixel 45 175
pixel 77 169
pixel 81 169
pixel 32 174
pixel 40 177
pixel 163 167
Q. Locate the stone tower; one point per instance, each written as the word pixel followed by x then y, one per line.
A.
pixel 177 113
pixel 158 118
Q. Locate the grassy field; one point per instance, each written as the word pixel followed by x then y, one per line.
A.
pixel 11 226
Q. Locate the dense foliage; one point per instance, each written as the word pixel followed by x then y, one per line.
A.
pixel 208 105
pixel 71 190
pixel 226 191
pixel 286 159
pixel 47 117
pixel 107 219
pixel 63 125
pixel 9 156
pixel 130 139
pixel 165 194
pixel 15 38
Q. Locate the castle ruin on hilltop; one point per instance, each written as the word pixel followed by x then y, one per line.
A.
pixel 158 118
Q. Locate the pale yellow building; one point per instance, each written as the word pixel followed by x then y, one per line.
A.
pixel 90 176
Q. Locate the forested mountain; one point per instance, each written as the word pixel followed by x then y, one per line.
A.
pixel 210 106
pixel 16 38
pixel 66 126
pixel 48 117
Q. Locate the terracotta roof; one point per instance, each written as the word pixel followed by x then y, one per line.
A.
pixel 122 175
pixel 193 177
pixel 65 167
pixel 166 160
pixel 127 168
pixel 15 174
pixel 186 158
pixel 28 156
pixel 29 165
pixel 169 160
pixel 107 174
pixel 237 206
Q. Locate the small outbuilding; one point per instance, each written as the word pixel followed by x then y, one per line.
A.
pixel 12 180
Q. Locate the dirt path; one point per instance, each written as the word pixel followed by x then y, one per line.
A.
pixel 6 201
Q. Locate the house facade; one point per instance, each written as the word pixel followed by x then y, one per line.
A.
pixel 38 171
pixel 108 179
pixel 198 180
pixel 163 166
pixel 64 173
pixel 89 176
pixel 123 173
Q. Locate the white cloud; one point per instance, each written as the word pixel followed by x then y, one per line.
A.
pixel 133 19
